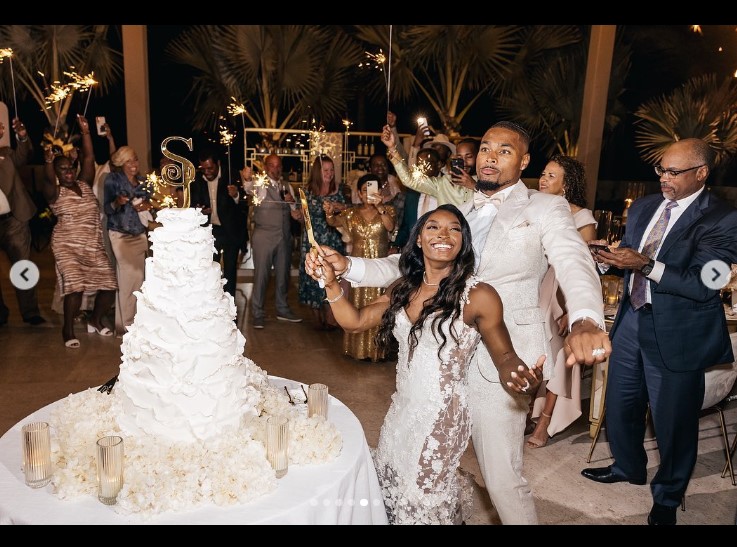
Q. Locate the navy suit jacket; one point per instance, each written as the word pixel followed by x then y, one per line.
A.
pixel 690 326
pixel 229 212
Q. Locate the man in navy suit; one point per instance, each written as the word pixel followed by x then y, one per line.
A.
pixel 214 192
pixel 670 325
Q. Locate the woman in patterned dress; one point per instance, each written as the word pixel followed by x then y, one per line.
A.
pixel 324 198
pixel 81 263
pixel 368 226
pixel 437 311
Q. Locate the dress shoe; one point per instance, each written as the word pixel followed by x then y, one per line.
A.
pixel 35 320
pixel 607 476
pixel 289 316
pixel 662 515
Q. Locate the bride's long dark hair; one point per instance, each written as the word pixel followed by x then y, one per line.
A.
pixel 447 300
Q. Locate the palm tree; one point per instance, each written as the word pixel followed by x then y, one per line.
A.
pixel 44 56
pixel 545 92
pixel 452 66
pixel 278 72
pixel 702 108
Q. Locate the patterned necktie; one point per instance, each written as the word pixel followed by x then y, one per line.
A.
pixel 480 199
pixel 638 296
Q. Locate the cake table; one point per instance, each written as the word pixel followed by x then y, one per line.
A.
pixel 344 491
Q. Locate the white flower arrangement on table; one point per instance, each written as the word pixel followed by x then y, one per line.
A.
pixel 164 476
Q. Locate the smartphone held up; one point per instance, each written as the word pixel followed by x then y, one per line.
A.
pixel 100 122
pixel 457 165
pixel 372 188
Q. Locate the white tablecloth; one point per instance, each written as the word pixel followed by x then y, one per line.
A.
pixel 345 491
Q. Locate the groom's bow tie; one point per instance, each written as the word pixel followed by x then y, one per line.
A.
pixel 480 199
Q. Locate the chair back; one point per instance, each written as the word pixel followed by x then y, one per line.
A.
pixel 720 379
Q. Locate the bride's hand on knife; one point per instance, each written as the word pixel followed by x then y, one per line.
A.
pixel 330 256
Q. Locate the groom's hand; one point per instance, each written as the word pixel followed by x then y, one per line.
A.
pixel 333 257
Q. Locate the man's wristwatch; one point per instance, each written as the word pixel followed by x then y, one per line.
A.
pixel 647 268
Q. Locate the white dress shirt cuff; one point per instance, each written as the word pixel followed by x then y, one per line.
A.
pixel 581 314
pixel 356 272
pixel 657 272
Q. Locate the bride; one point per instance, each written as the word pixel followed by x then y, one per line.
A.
pixel 438 311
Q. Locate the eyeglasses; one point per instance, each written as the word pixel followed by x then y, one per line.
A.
pixel 673 173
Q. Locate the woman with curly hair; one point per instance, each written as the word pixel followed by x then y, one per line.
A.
pixel 438 311
pixel 557 403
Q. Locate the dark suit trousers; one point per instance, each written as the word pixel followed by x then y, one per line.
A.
pixel 637 375
pixel 229 250
pixel 15 240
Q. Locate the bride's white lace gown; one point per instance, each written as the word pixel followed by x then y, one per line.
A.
pixel 427 427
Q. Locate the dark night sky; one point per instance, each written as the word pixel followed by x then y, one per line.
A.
pixel 665 57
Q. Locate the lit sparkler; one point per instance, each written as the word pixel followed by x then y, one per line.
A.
pixel 160 195
pixel 320 143
pixel 419 170
pixel 379 61
pixel 8 53
pixel 260 180
pixel 82 83
pixel 226 138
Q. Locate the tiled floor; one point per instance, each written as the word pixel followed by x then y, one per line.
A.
pixel 36 369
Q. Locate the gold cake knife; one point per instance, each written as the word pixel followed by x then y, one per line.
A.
pixel 308 228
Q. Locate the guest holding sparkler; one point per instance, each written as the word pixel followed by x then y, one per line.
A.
pixel 82 264
pixel 271 242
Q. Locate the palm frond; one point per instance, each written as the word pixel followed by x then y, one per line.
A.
pixel 702 108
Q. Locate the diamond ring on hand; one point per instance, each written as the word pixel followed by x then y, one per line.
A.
pixel 598 352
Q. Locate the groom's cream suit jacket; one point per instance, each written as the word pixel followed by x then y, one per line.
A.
pixel 531 230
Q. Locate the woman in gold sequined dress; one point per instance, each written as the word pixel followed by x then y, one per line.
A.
pixel 369 226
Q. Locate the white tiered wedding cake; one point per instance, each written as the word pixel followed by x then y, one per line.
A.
pixel 183 375
pixel 188 404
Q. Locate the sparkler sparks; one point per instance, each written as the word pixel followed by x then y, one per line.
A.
pixel 161 195
pixel 260 180
pixel 8 53
pixel 320 143
pixel 419 169
pixel 235 108
pixel 80 83
pixel 59 92
pixel 375 60
pixel 226 137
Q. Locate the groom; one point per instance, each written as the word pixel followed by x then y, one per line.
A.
pixel 517 233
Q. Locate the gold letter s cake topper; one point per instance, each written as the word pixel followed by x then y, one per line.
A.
pixel 182 168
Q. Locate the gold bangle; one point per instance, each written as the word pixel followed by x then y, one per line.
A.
pixel 334 300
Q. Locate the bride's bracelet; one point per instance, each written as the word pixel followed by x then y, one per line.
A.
pixel 334 300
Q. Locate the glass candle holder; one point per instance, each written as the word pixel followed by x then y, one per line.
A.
pixel 37 454
pixel 109 468
pixel 317 400
pixel 277 444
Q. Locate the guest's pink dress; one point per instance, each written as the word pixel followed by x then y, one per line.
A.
pixel 562 380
